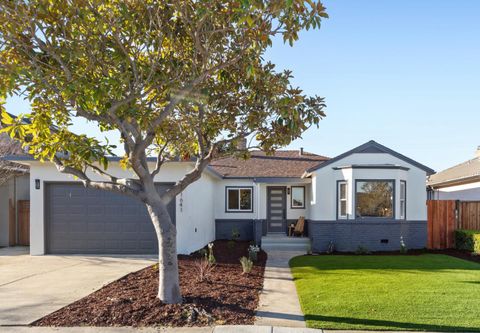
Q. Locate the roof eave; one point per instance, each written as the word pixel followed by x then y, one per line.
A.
pixel 454 182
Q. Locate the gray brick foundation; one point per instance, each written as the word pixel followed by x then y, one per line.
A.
pixel 249 229
pixel 373 235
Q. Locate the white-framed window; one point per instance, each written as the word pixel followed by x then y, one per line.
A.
pixel 238 199
pixel 403 199
pixel 374 198
pixel 342 200
pixel 297 197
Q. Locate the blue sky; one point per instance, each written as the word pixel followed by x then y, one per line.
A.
pixel 403 73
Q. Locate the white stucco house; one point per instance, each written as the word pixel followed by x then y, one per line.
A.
pixel 369 196
pixel 459 182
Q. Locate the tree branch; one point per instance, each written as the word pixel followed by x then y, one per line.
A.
pixel 102 185
pixel 189 178
pixel 160 160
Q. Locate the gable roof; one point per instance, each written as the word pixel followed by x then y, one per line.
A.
pixel 373 147
pixel 466 172
pixel 282 164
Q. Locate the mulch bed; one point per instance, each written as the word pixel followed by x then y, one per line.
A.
pixel 227 298
pixel 451 252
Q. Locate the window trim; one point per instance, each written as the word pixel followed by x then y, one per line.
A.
pixel 227 188
pixel 404 217
pixel 291 198
pixel 394 206
pixel 339 201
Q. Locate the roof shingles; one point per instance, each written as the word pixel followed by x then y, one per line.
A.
pixel 283 163
pixel 457 173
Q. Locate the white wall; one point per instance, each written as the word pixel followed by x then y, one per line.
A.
pixel 292 214
pixel 194 208
pixel 259 200
pixel 220 199
pixel 466 192
pixel 324 201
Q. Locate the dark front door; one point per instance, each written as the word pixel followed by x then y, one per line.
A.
pixel 276 209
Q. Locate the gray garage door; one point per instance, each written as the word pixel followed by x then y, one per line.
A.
pixel 83 221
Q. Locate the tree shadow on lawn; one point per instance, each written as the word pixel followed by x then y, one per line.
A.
pixel 424 262
pixel 384 324
pixel 471 282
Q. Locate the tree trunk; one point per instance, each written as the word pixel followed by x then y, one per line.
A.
pixel 168 284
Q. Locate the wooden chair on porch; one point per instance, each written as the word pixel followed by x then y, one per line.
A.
pixel 298 229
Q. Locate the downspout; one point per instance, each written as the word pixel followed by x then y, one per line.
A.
pixel 258 201
pixel 257 220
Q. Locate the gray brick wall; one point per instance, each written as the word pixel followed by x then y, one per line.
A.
pixel 224 227
pixel 258 231
pixel 349 235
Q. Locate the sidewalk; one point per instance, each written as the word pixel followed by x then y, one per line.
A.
pixel 217 329
pixel 279 305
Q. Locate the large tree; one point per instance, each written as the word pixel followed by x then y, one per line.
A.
pixel 183 79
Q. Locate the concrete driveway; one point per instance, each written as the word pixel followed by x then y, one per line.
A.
pixel 34 286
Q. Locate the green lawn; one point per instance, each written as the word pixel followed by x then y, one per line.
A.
pixel 426 292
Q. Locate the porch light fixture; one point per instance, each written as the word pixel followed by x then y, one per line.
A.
pixel 37 184
pixel 288 190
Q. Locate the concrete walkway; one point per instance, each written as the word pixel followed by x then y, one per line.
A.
pixel 279 305
pixel 217 329
pixel 34 286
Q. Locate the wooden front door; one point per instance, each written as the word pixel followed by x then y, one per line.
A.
pixel 276 209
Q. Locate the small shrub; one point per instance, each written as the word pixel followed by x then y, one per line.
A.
pixel 210 257
pixel 309 249
pixel 467 240
pixel 253 252
pixel 362 250
pixel 403 247
pixel 202 252
pixel 235 234
pixel 231 244
pixel 204 269
pixel 331 247
pixel 247 265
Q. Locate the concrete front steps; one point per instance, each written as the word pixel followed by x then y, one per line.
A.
pixel 281 242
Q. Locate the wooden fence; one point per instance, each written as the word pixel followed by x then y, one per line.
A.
pixel 23 222
pixel 19 222
pixel 469 215
pixel 441 223
pixel 446 216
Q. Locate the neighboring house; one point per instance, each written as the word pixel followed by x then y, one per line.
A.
pixel 14 186
pixel 369 196
pixel 460 182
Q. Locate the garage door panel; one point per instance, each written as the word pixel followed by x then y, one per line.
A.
pixel 81 220
pixel 112 227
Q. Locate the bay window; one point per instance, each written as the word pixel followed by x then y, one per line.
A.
pixel 403 199
pixel 342 199
pixel 374 198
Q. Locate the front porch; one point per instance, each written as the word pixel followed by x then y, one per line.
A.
pixel 277 242
pixel 281 204
pixel 277 205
